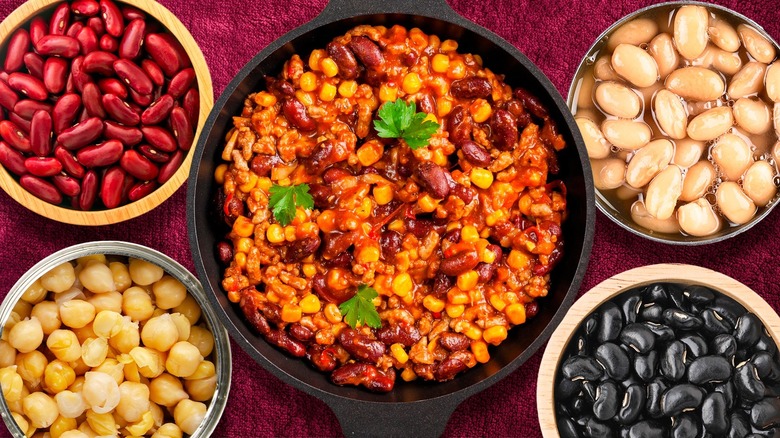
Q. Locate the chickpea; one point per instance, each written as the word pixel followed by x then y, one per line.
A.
pixel 189 308
pixel 78 385
pixel 17 406
pixel 7 354
pixel 77 313
pixel 85 260
pixel 97 277
pixel 182 326
pixel 150 362
pixel 86 429
pixel 40 409
pixel 59 279
pixel 107 301
pixel 11 383
pixel 75 433
pixel 58 376
pixel 102 424
pixel 121 276
pixel 21 422
pixel 137 304
pixel 113 368
pixel 168 430
pixel 203 339
pixel 130 369
pixel 128 337
pixel 70 404
pixel 142 426
pixel 94 351
pixel 166 390
pixel 107 323
pixel 160 333
pixel 61 425
pixel 80 367
pixel 169 292
pixel 64 345
pixel 48 314
pixel 23 309
pixel 133 401
pixel 27 335
pixel 31 366
pixel 201 389
pixel 205 369
pixel 101 392
pixel 35 293
pixel 144 273
pixel 183 359
pixel 188 415
pixel 157 414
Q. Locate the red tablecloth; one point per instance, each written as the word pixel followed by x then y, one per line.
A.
pixel 553 34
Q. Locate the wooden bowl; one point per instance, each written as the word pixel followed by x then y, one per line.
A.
pixel 614 286
pixel 22 15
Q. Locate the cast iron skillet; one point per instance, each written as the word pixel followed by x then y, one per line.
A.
pixel 417 408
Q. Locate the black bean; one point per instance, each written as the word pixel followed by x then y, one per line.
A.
pixel 646 429
pixel 714 414
pixel 681 320
pixel 709 369
pixel 673 361
pixel 747 383
pixel 740 426
pixel 631 307
pixel 646 365
pixel 580 404
pixel 610 323
pixel 724 345
pixel 589 391
pixel 582 368
pixel 638 337
pixel 766 366
pixel 607 400
pixel 581 344
pixel 614 360
pixel 655 391
pixel 567 428
pixel 591 324
pixel 727 389
pixel 675 294
pixel 766 413
pixel 696 345
pixel 662 332
pixel 596 429
pixel 698 295
pixel 655 293
pixel 747 330
pixel 685 426
pixel 729 309
pixel 566 388
pixel 651 312
pixel 714 324
pixel 765 343
pixel 633 404
pixel 681 398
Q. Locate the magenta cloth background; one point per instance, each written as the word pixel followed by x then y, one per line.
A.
pixel 555 36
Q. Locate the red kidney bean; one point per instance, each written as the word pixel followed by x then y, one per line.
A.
pixel 69 163
pixel 191 104
pixel 531 103
pixel 168 169
pixel 92 100
pixel 452 365
pixel 88 40
pixel 475 154
pixel 43 166
pixel 139 166
pixel 160 138
pixel 163 53
pixel 154 72
pixel 100 155
pixel 322 357
pixel 89 189
pixel 34 64
pixel 182 82
pixel 80 77
pixel 143 100
pixel 402 333
pixel 69 186
pixel 153 154
pixel 100 62
pixel 108 43
pixel 96 24
pixel 8 97
pixel 296 114
pixel 81 134
pixel 426 104
pixel 361 346
pixel 74 29
pixel 182 130
pixel 86 8
pixel 65 111
pixel 119 110
pixel 471 88
pixel 133 76
pixel 367 51
pixel 141 189
pixel 158 111
pixel 113 86
pixel 59 20
pixel 344 58
pixel 28 85
pixel 131 13
pixel 300 249
pixel 111 187
pixel 27 108
pixel 129 136
pixel 40 133
pixel 459 263
pixel 14 136
pixel 18 45
pixel 112 17
pixel 55 74
pixel 12 159
pixel 127 184
pixel 58 45
pixel 84 115
pixel 459 125
pixel 503 128
pixel 454 341
pixel 41 189
pixel 130 46
pixel 23 124
pixel 434 178
pixel 38 28
pixel 367 375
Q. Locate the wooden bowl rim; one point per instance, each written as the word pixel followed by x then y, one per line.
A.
pixel 23 14
pixel 617 284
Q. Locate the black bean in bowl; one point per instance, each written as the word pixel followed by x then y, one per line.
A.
pixel 669 359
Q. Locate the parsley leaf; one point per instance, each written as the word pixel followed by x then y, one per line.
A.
pixel 360 309
pixel 400 120
pixel 284 199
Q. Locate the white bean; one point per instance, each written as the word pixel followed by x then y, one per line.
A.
pixel 756 44
pixel 732 155
pixel 696 83
pixel 690 30
pixel 711 124
pixel 640 215
pixel 635 65
pixel 663 192
pixel 772 81
pixel 723 35
pixel 584 92
pixel 608 173
pixel 618 100
pixel 698 219
pixel 603 71
pixel 648 162
pixel 759 183
pixel 697 180
pixel 726 62
pixel 752 115
pixel 748 81
pixel 734 203
pixel 626 134
pixel 687 152
pixel 636 32
pixel 671 114
pixel 595 143
pixel 662 49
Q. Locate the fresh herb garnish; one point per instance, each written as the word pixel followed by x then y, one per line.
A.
pixel 400 120
pixel 360 309
pixel 284 199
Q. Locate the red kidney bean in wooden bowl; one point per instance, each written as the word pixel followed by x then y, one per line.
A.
pixel 99 104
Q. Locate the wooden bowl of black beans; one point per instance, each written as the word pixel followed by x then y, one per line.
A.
pixel 663 350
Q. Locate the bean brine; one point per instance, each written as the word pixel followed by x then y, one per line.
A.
pixel 669 360
pixel 680 113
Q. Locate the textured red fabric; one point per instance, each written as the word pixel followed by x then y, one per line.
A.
pixel 554 34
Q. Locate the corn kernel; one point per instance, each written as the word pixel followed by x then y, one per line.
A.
pixel 275 233
pixel 289 233
pixel 370 153
pixel 457 296
pixel 481 110
pixel 497 302
pixel 332 313
pixel 440 63
pixel 327 92
pixel 517 259
pixel 240 259
pixel 291 313
pixel 219 174
pixel 399 353
pixel 480 350
pixel 273 297
pixel 449 46
pixel 244 245
pixel 265 99
pixel 264 183
pixel 234 296
pixel 433 304
pixel 443 107
pixel 329 67
pixel 249 185
pixel 494 335
pixel 481 178
pixel 383 194
pixel 308 81
pixel 473 332
pixel 327 221
pixel 524 204
pixel 457 69
pixel 402 284
pixel 468 280
pixel 368 254
pixel 387 93
pixel 310 303
pixel 469 234
pixel 300 216
pixel 427 204
pixel 243 226
pixel 315 58
pixel 487 256
pixel 364 211
pixel 411 83
pixel 397 225
pixel 408 375
pixel 304 97
pixel 348 89
pixel 515 312
pixel 454 310
pixel 438 156
pixel 309 270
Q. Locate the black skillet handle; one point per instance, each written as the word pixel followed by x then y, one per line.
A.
pixel 340 9
pixel 418 419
